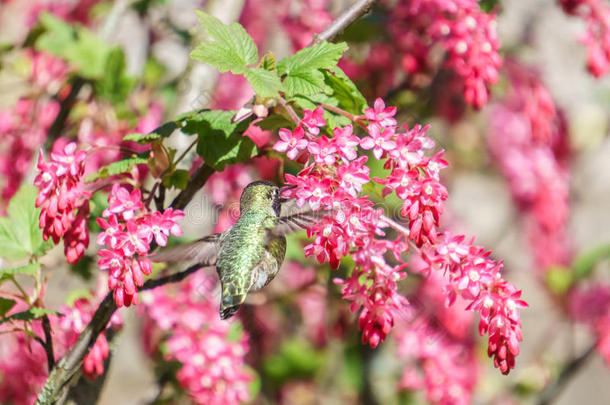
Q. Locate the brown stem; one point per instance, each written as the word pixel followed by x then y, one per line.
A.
pixel 64 110
pixel 48 343
pixel 350 15
pixel 199 178
pixel 553 390
pixel 340 111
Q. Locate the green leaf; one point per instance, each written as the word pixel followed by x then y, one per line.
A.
pixel 221 141
pixel 6 304
pixel 58 36
pixel 583 264
pixel 77 294
pixel 304 83
pixel 274 122
pixel 345 91
pixel 488 5
pixel 77 45
pixel 28 269
pixel 142 138
pixel 559 279
pixel 29 315
pixel 114 168
pixel 179 179
pixel 20 235
pixel 264 82
pixel 324 55
pixel 114 85
pixel 268 62
pixel 232 49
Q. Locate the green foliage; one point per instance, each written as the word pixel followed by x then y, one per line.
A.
pixel 265 83
pixel 488 5
pixel 114 85
pixel 303 71
pixel 75 295
pixel 142 138
pixel 559 279
pixel 114 168
pixel 345 91
pixel 90 56
pixel 268 62
pixel 28 315
pixel 20 235
pixel 231 48
pixel 584 263
pixel 221 141
pixel 178 178
pixel 296 359
pixel 6 304
pixel 28 269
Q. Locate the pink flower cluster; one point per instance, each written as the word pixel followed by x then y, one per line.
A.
pixel 211 351
pixel 127 234
pixel 466 33
pixel 474 276
pixel 63 200
pixel 596 14
pixel 332 180
pixel 529 141
pixel 436 343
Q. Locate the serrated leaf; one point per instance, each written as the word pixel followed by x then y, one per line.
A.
pixel 29 315
pixel 232 49
pixel 28 269
pixel 345 91
pixel 114 168
pixel 6 304
pixel 142 138
pixel 20 235
pixel 58 35
pixel 264 82
pixel 324 55
pixel 304 83
pixel 221 141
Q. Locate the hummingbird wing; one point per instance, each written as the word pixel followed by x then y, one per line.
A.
pixel 203 251
pixel 292 218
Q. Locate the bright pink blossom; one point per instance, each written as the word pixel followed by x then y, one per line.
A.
pixel 291 142
pixel 313 120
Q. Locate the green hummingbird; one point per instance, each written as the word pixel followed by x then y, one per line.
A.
pixel 248 255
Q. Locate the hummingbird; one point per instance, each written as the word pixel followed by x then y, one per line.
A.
pixel 248 255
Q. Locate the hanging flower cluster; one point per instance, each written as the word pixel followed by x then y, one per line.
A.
pixel 466 34
pixel 63 200
pixel 529 141
pixel 127 234
pixel 596 14
pixel 333 179
pixel 211 351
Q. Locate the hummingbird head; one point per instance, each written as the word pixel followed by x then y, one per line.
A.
pixel 261 195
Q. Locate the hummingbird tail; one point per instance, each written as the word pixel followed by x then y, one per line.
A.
pixel 230 305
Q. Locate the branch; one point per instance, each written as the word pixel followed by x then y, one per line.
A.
pixel 64 110
pixel 569 370
pixel 343 21
pixel 198 180
pixel 48 344
pixel 71 362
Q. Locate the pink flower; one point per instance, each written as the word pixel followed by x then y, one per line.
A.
pixel 322 150
pixel 123 202
pixel 346 142
pixel 291 142
pixel 381 115
pixel 312 120
pixel 380 140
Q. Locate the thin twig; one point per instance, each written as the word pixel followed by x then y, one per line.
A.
pixel 553 390
pixel 48 344
pixel 343 21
